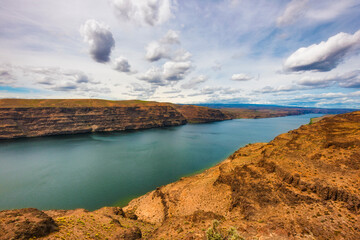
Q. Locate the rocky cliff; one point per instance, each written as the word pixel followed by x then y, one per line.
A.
pixel 305 184
pixel 39 119
pixel 197 114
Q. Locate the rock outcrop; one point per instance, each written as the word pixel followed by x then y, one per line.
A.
pixel 25 224
pixel 17 122
pixel 197 114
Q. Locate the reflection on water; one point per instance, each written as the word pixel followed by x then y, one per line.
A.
pixel 94 170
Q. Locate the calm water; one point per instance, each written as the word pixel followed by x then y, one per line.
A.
pixel 94 170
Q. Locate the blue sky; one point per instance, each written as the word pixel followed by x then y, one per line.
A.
pixel 299 53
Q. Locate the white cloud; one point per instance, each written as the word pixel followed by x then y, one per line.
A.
pixel 181 55
pixel 174 71
pixel 163 49
pixel 304 11
pixel 170 72
pixel 156 51
pixel 241 77
pixel 346 80
pixel 171 37
pixel 323 56
pixel 99 38
pixel 143 12
pixel 194 82
pixel 293 11
pixel 154 76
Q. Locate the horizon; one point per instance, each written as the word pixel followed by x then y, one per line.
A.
pixel 286 53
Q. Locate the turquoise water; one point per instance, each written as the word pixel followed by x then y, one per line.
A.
pixel 93 170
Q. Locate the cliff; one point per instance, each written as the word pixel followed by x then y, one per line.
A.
pixel 304 184
pixel 197 114
pixel 32 118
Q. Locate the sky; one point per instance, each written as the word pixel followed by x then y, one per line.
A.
pixel 293 53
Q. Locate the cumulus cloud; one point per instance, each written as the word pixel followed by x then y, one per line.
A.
pixel 99 38
pixel 170 72
pixel 154 76
pixel 121 64
pixel 143 12
pixel 156 51
pixel 241 77
pixel 324 56
pixel 294 10
pixel 194 82
pixel 171 37
pixel 174 71
pixel 163 48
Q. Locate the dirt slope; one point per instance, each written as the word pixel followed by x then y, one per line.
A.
pixel 304 184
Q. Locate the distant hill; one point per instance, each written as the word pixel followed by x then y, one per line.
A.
pixel 275 107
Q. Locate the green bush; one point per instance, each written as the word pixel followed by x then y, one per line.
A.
pixel 214 234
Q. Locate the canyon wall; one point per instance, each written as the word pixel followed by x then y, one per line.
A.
pixel 43 121
pixel 197 114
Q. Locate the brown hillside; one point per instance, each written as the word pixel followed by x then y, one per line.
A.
pixel 304 184
pixel 197 114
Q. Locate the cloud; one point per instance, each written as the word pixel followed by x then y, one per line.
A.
pixel 310 13
pixel 324 56
pixel 282 88
pixel 156 51
pixel 163 49
pixel 99 38
pixel 241 77
pixel 51 78
pixel 293 11
pixel 346 80
pixel 350 80
pixel 174 71
pixel 121 64
pixel 194 82
pixel 171 37
pixel 215 92
pixel 170 72
pixel 143 12
pixel 317 82
pixel 154 76
pixel 6 74
pixel 140 91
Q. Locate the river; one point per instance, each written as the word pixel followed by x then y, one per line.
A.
pixel 95 170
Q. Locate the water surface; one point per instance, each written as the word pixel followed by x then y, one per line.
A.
pixel 94 170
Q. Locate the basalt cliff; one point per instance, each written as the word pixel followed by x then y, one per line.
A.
pixel 304 184
pixel 34 118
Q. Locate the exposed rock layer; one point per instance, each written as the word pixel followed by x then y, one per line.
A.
pixel 197 114
pixel 44 117
pixel 43 121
